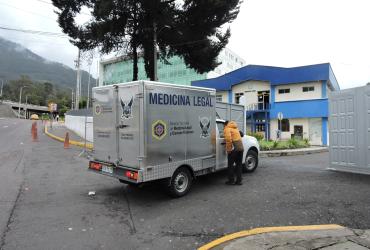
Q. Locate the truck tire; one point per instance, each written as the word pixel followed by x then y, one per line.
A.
pixel 180 182
pixel 251 162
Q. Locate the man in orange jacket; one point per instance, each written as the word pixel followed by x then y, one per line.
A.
pixel 234 149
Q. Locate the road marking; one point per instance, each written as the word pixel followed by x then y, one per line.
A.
pixel 5 126
pixel 76 143
pixel 262 230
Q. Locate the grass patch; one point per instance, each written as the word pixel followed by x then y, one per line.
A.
pixel 289 144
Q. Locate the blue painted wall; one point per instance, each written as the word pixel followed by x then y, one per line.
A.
pixel 230 96
pixel 300 109
pixel 272 95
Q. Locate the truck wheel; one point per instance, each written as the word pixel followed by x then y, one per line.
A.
pixel 180 182
pixel 251 162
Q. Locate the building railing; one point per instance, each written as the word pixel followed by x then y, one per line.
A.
pixel 260 106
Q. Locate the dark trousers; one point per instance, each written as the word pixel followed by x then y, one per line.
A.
pixel 234 165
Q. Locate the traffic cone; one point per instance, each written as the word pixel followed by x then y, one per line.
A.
pixel 34 132
pixel 32 128
pixel 66 141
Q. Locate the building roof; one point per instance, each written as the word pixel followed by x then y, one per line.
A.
pixel 274 75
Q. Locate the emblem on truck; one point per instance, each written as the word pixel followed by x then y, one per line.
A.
pixel 159 129
pixel 204 123
pixel 126 109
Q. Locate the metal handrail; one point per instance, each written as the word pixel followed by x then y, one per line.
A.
pixel 260 106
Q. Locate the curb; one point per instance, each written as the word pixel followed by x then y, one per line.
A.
pixel 76 143
pixel 262 230
pixel 278 153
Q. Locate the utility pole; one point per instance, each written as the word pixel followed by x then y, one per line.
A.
pixel 78 83
pixel 97 73
pixel 26 109
pixel 20 101
pixel 2 85
pixel 89 62
pixel 72 100
pixel 155 51
pixel 88 90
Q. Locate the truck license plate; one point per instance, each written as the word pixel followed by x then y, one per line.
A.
pixel 107 169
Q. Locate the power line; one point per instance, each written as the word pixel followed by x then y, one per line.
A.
pixel 30 12
pixel 36 32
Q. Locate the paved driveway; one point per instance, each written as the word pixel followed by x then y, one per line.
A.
pixel 53 210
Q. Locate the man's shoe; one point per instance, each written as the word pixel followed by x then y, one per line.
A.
pixel 229 183
pixel 239 183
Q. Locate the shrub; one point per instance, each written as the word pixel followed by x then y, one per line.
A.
pixel 293 143
pixel 290 144
pixel 258 135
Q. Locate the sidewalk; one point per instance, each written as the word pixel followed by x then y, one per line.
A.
pixel 324 237
pixel 291 152
pixel 58 132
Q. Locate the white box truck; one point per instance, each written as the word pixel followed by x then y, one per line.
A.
pixel 146 131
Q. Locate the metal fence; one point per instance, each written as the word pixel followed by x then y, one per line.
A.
pixel 80 112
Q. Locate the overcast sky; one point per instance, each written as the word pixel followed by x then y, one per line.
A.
pixel 282 33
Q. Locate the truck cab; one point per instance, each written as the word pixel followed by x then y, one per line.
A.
pixel 250 154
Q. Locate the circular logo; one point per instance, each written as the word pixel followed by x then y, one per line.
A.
pixel 98 109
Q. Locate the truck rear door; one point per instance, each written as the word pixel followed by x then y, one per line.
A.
pixel 104 113
pixel 129 128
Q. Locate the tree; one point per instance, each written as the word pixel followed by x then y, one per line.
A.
pixel 191 29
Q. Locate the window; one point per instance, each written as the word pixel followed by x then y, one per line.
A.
pixel 237 97
pixel 284 125
pixel 284 91
pixel 308 89
pixel 219 98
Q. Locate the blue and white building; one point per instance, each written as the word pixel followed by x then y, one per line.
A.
pixel 299 93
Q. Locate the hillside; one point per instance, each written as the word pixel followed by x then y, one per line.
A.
pixel 16 60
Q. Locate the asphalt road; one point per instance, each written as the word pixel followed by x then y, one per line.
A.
pixel 45 204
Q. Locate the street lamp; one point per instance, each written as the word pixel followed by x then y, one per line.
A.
pixel 20 101
pixel 26 107
pixel 155 33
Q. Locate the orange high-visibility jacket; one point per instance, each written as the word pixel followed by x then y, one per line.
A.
pixel 232 137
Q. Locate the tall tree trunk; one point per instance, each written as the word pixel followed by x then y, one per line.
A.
pixel 135 70
pixel 153 60
pixel 135 61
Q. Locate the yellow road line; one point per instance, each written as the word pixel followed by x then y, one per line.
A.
pixel 76 143
pixel 267 230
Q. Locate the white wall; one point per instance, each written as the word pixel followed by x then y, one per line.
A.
pixel 77 125
pixel 250 90
pixel 312 129
pixel 296 92
pixel 224 95
pixel 292 122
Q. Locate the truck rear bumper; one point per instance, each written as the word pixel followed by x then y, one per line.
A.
pixel 125 174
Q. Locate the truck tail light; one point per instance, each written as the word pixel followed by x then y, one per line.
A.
pixel 131 175
pixel 95 166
